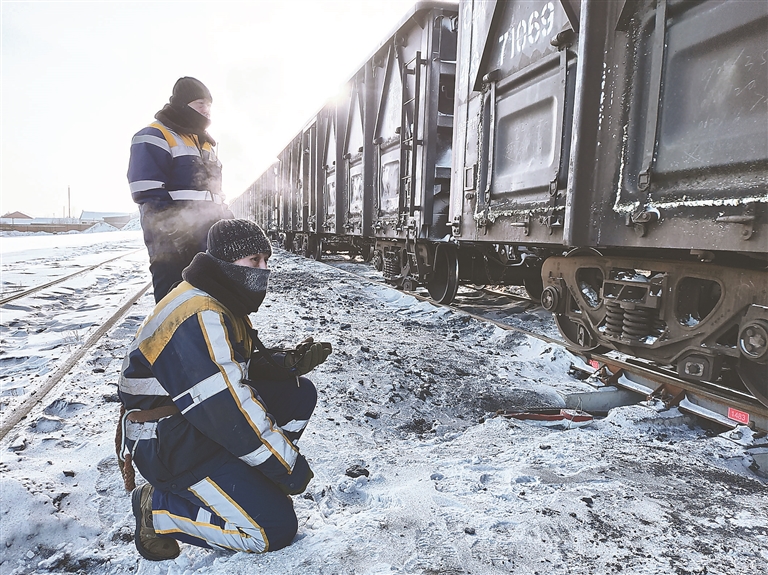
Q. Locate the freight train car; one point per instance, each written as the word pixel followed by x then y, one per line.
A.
pixel 515 93
pixel 370 173
pixel 612 157
pixel 412 131
pixel 260 202
pixel 634 136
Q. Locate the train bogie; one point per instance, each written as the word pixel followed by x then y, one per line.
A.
pixel 696 316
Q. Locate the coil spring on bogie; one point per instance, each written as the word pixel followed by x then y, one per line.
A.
pixel 614 319
pixel 638 323
pixel 391 265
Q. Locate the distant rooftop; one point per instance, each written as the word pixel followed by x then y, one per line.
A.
pixel 101 215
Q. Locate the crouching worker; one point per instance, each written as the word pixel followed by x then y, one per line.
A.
pixel 209 422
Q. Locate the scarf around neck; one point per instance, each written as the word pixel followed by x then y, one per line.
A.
pixel 186 121
pixel 238 288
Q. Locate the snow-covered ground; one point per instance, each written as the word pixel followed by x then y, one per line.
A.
pixel 410 394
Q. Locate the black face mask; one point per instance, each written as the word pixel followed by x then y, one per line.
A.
pixel 185 120
pixel 240 289
pixel 251 282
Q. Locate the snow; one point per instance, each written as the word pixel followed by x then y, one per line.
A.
pixel 100 227
pixel 411 394
pixel 134 224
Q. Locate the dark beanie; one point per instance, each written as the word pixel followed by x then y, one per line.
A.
pixel 188 89
pixel 231 240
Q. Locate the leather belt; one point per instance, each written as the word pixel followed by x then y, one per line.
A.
pixel 152 414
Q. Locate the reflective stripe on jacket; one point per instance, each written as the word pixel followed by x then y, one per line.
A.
pixel 168 166
pixel 192 352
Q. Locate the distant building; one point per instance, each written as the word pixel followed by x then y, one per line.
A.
pixel 17 221
pixel 16 216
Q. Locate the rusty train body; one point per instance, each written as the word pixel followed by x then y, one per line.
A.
pixel 611 157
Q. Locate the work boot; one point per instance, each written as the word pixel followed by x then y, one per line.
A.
pixel 148 543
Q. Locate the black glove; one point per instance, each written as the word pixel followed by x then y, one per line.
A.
pixel 307 356
pixel 298 479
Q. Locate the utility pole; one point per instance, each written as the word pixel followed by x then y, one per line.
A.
pixel 69 204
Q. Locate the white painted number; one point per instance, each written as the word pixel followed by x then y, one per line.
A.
pixel 527 32
pixel 521 35
pixel 534 28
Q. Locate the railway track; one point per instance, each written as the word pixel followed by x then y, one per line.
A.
pixel 45 339
pixel 12 417
pixel 722 405
pixel 25 292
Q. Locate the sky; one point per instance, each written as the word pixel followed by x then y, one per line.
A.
pixel 80 78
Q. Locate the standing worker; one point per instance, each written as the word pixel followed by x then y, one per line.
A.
pixel 175 177
pixel 211 424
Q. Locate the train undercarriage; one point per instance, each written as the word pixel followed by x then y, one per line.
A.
pixel 442 266
pixel 703 319
pixel 315 245
pixel 708 321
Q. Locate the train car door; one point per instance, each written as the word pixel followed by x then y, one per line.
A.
pixel 353 158
pixel 329 184
pixel 521 70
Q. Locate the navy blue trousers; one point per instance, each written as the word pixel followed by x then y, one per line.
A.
pixel 237 507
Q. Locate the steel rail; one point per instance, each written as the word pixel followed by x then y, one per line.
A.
pixel 30 291
pixel 35 397
pixel 513 296
pixel 706 390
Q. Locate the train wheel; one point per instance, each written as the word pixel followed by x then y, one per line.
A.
pixel 533 287
pixel 367 253
pixel 755 378
pixel 578 336
pixel 444 282
pixel 317 249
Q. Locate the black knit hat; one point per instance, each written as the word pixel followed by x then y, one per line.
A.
pixel 188 89
pixel 231 240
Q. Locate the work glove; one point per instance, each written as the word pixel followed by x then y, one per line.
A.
pixel 307 356
pixel 298 479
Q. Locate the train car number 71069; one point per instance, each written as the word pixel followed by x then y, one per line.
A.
pixel 527 31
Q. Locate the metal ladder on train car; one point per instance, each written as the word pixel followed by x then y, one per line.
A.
pixel 408 146
pixel 408 140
